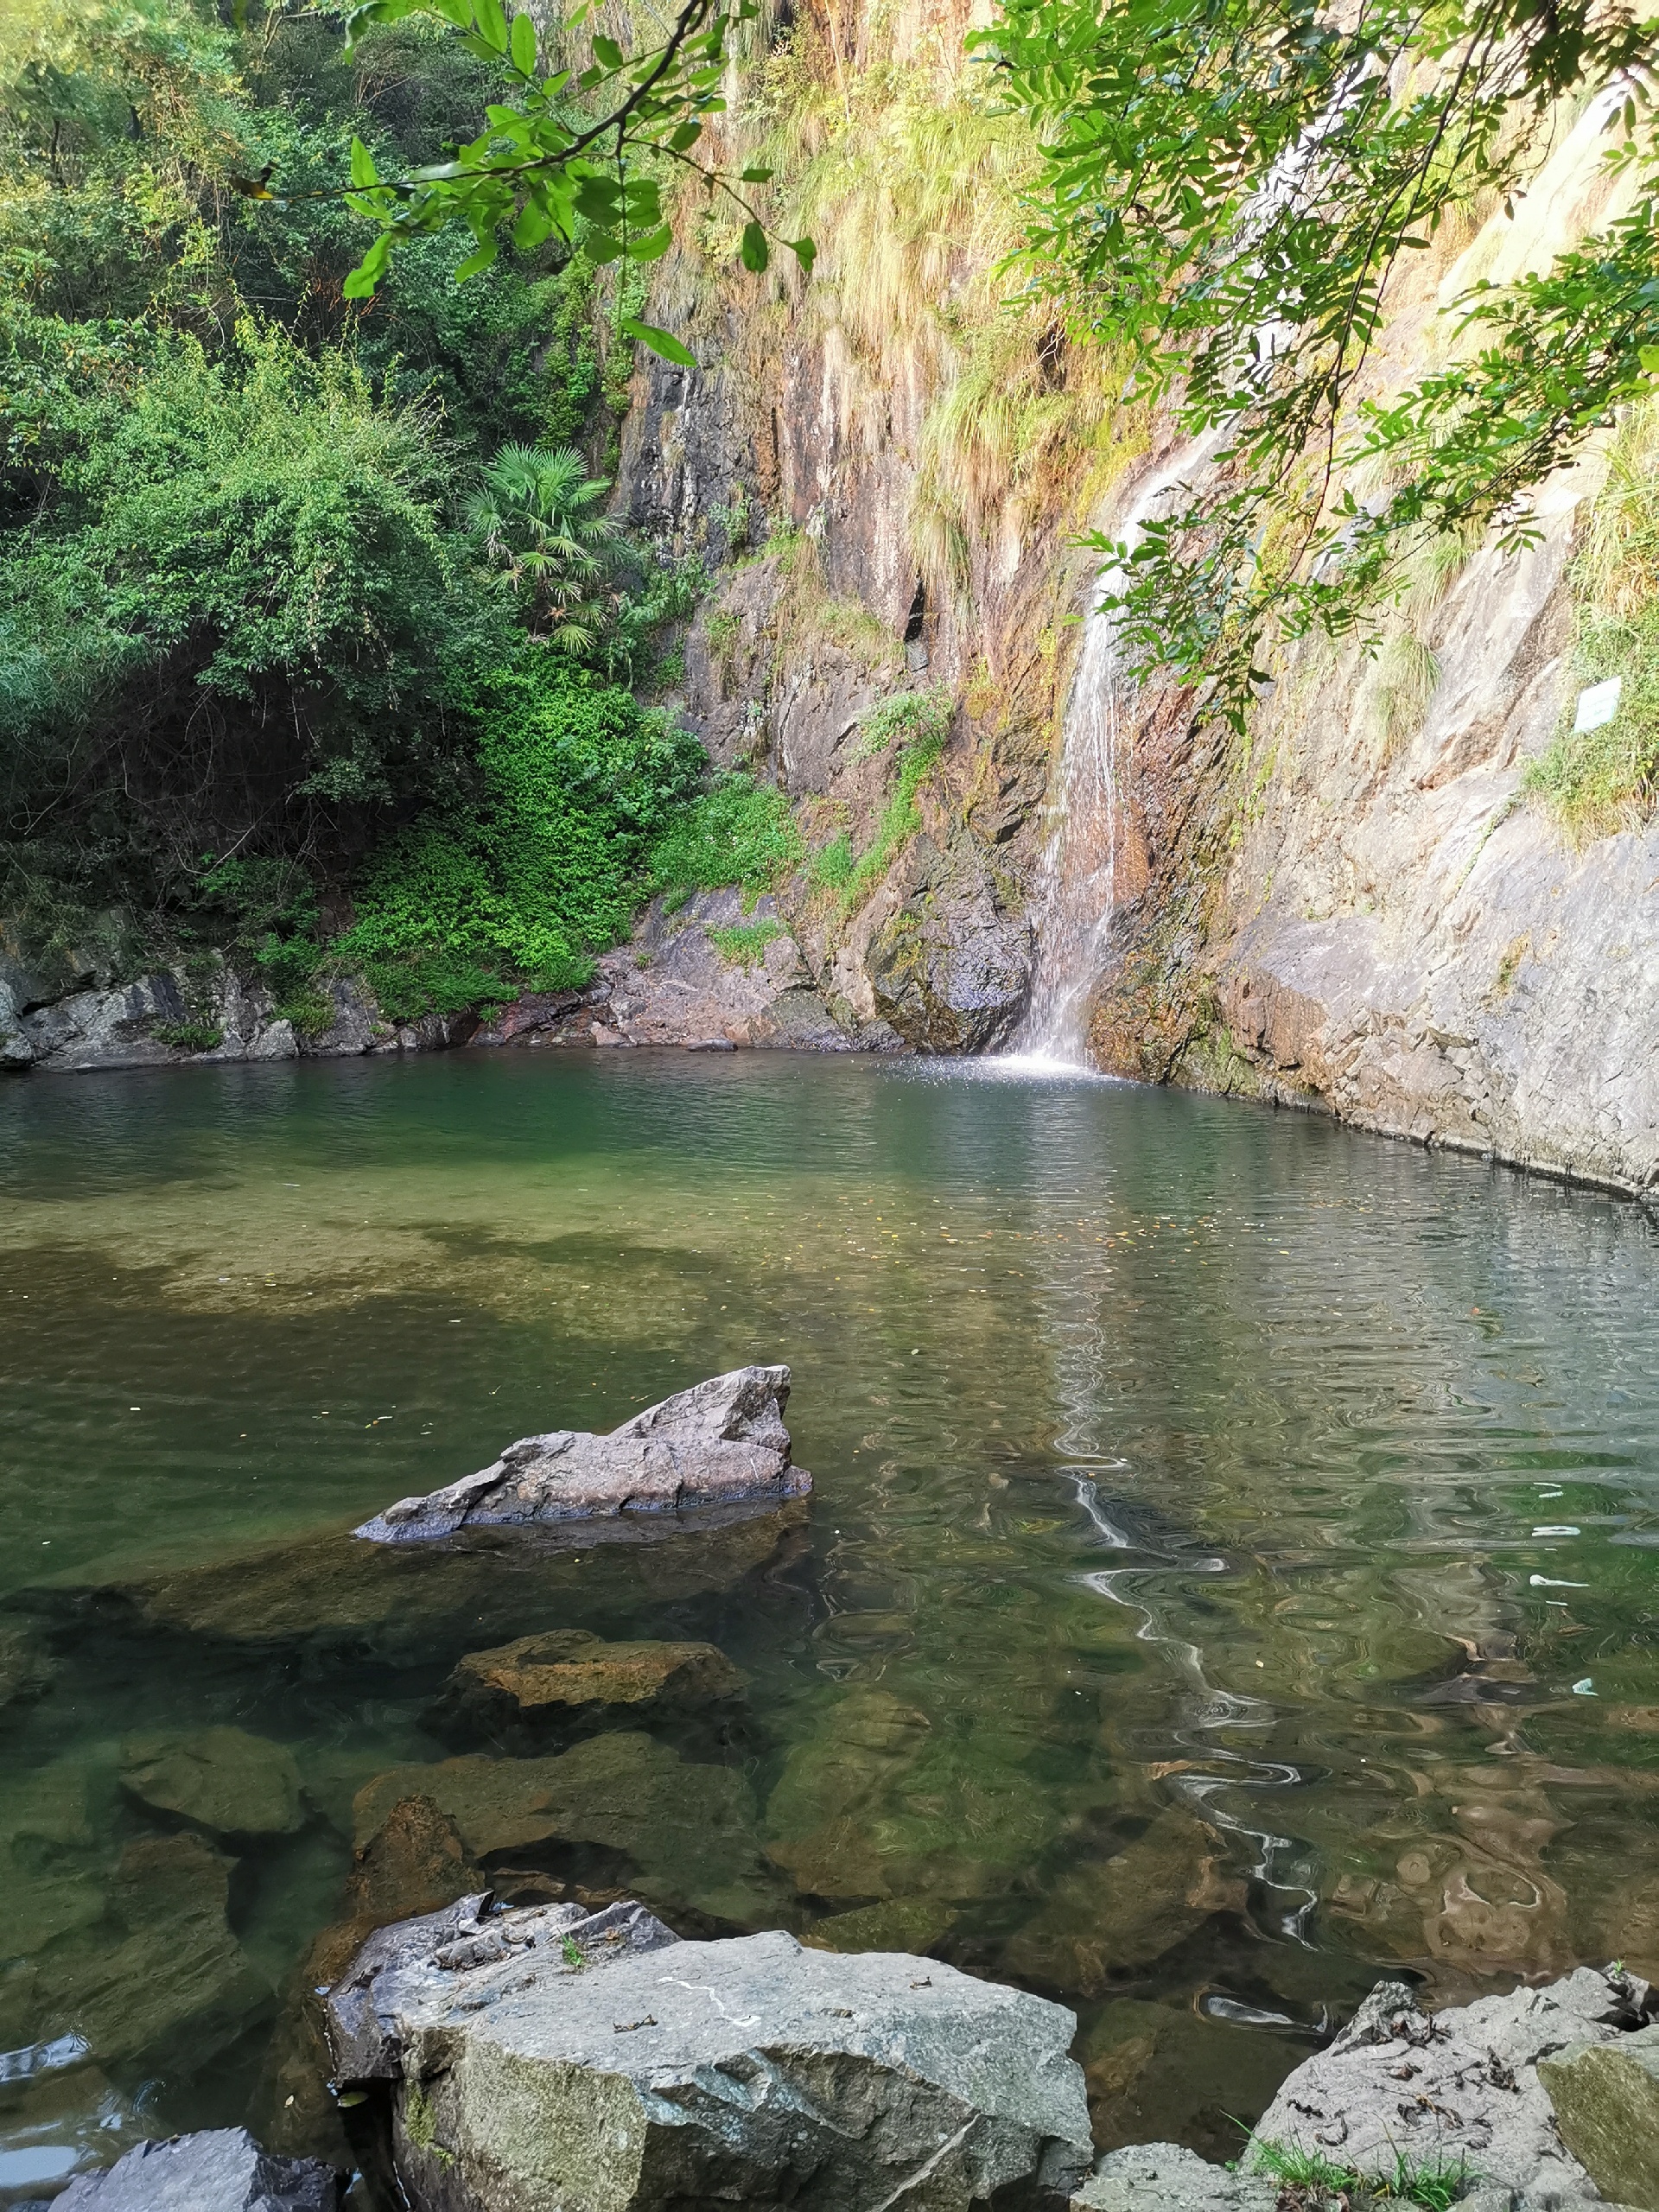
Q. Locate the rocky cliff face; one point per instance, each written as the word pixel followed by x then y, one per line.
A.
pixel 1362 913
pixel 1368 914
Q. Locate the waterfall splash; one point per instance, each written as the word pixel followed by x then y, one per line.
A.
pixel 1077 876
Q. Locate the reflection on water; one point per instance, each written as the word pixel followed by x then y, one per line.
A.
pixel 1231 1570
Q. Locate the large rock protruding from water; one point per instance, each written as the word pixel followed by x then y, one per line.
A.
pixel 545 2056
pixel 722 1442
pixel 1462 2086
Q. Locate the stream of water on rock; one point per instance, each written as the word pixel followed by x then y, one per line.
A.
pixel 1231 1573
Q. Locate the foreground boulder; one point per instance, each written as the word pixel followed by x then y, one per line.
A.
pixel 721 1443
pixel 1467 2087
pixel 1164 2178
pixel 224 2171
pixel 546 2057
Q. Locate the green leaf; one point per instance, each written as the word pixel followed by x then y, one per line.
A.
pixel 534 225
pixel 804 251
pixel 1649 357
pixel 492 22
pixel 601 248
pixel 477 261
pixel 659 341
pixel 755 176
pixel 596 200
pixel 522 46
pixel 650 245
pixel 686 136
pixel 363 172
pixel 360 284
pixel 607 50
pixel 754 250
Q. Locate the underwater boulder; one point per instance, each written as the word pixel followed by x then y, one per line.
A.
pixel 568 1678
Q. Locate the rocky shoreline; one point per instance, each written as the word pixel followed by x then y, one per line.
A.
pixel 491 2059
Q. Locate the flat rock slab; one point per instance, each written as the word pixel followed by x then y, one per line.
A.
pixel 1462 2086
pixel 223 2170
pixel 566 1676
pixel 746 2071
pixel 223 1780
pixel 1164 2178
pixel 721 1443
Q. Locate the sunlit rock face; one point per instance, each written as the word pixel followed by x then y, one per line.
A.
pixel 1462 2085
pixel 551 2055
pixel 721 1443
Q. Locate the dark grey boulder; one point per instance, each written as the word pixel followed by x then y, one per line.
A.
pixel 224 2171
pixel 721 1443
pixel 1463 2086
pixel 538 2059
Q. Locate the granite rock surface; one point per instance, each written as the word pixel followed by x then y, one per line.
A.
pixel 222 2170
pixel 722 1442
pixel 539 2057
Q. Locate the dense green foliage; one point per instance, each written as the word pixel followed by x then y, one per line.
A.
pixel 740 832
pixel 1229 187
pixel 306 598
pixel 546 862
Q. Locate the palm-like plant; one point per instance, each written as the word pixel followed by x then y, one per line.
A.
pixel 537 514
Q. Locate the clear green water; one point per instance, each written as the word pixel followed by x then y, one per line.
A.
pixel 1215 1513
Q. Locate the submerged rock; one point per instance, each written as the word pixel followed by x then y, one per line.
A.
pixel 1105 1913
pixel 160 1975
pixel 544 2056
pixel 222 1780
pixel 25 1671
pixel 568 1678
pixel 1463 2086
pixel 722 1442
pixel 340 1604
pixel 224 2171
pixel 688 1831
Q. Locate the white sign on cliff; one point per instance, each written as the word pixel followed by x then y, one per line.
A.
pixel 1599 704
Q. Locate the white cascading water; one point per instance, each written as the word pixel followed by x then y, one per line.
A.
pixel 1077 882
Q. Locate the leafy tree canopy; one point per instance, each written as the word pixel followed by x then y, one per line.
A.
pixel 1228 187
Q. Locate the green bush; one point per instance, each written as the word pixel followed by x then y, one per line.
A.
pixel 743 944
pixel 540 868
pixel 739 831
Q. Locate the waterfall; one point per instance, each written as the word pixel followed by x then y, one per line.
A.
pixel 1076 879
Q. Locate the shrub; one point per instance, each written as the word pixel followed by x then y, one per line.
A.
pixel 738 832
pixel 543 866
pixel 1596 781
pixel 743 944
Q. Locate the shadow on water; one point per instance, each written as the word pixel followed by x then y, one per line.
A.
pixel 1231 1573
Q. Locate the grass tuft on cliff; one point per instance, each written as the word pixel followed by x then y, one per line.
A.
pixel 1595 782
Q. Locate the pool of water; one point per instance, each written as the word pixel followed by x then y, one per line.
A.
pixel 1232 1571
